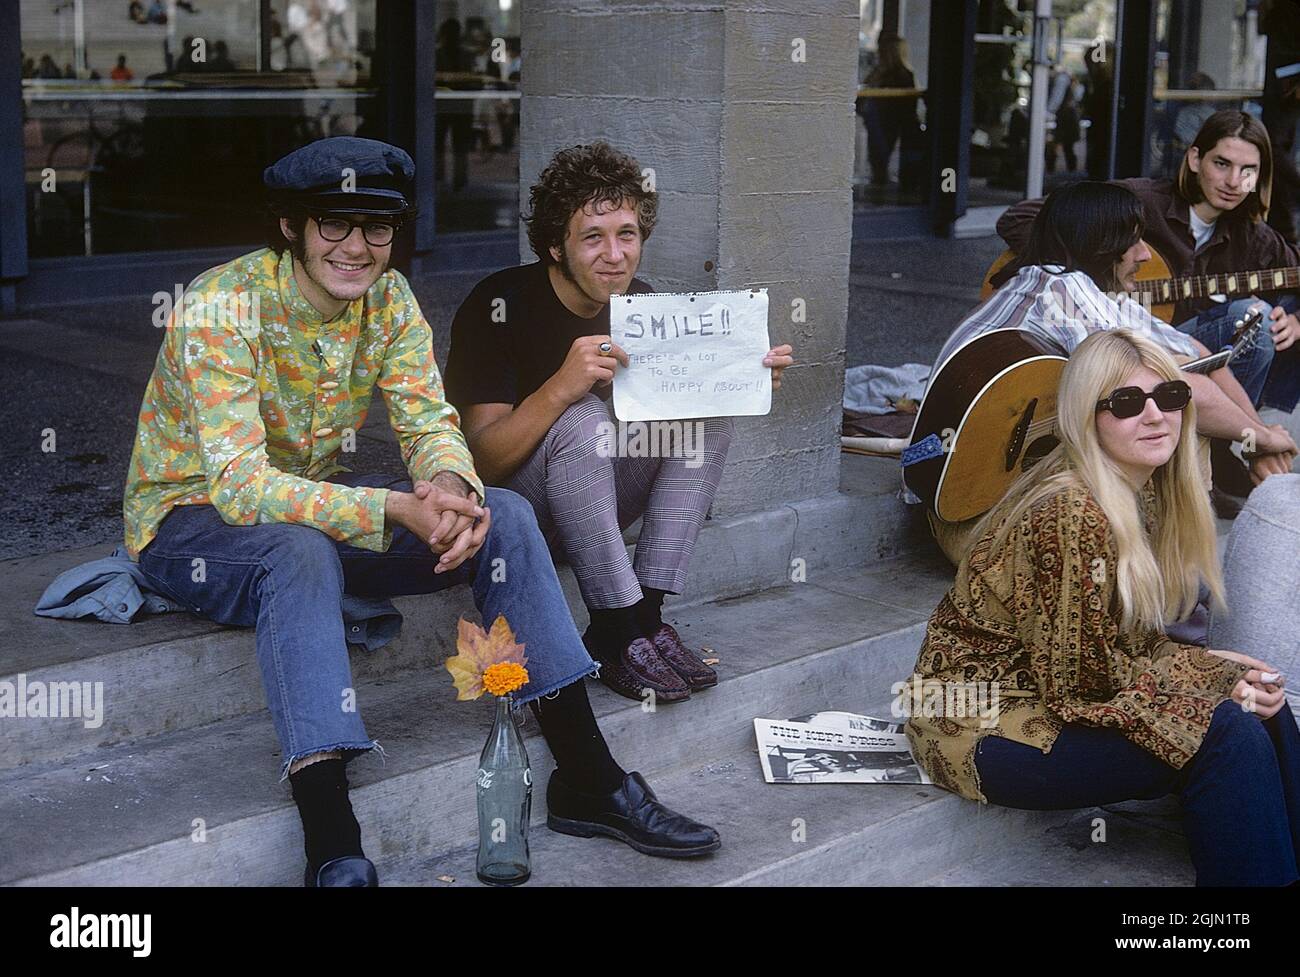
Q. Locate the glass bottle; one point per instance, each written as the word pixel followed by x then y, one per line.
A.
pixel 505 801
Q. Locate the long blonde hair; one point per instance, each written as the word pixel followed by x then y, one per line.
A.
pixel 1157 580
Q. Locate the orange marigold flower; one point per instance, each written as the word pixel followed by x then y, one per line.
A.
pixel 504 678
pixel 478 650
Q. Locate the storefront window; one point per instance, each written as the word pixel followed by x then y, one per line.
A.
pixel 477 150
pixel 1081 52
pixel 1210 56
pixel 892 164
pixel 892 157
pixel 147 124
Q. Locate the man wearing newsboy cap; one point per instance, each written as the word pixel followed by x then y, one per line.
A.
pixel 237 504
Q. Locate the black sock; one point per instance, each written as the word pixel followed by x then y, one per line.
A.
pixel 329 827
pixel 582 757
pixel 650 610
pixel 614 628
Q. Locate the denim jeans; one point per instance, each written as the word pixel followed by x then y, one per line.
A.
pixel 1270 379
pixel 1261 574
pixel 1240 793
pixel 287 581
pixel 1282 389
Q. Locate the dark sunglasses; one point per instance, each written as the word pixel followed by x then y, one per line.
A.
pixel 376 233
pixel 1131 401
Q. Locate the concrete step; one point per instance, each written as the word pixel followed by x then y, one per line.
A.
pixel 1135 843
pixel 772 834
pixel 128 814
pixel 846 834
pixel 179 671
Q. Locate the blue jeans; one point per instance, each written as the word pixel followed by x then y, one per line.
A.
pixel 287 581
pixel 1270 379
pixel 1240 793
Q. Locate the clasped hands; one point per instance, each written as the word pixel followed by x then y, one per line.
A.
pixel 446 514
pixel 1275 452
pixel 1252 692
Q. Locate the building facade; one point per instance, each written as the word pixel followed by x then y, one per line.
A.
pixel 133 135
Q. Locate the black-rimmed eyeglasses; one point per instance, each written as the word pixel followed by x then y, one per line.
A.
pixel 335 229
pixel 1127 402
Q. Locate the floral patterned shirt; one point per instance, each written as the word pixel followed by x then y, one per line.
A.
pixel 254 397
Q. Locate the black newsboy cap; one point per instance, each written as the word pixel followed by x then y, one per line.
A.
pixel 345 174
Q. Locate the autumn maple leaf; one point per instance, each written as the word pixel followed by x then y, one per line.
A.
pixel 478 650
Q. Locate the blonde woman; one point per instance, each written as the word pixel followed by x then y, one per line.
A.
pixel 1058 605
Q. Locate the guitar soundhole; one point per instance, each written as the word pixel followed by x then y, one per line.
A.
pixel 1037 450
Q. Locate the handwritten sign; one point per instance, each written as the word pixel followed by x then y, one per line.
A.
pixel 693 354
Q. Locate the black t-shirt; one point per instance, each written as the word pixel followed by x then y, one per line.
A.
pixel 511 334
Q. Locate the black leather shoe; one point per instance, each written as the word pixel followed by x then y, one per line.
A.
pixel 632 814
pixel 350 870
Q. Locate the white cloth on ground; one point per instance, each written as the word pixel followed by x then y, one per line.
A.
pixel 872 389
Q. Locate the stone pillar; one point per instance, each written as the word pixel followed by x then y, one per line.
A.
pixel 745 113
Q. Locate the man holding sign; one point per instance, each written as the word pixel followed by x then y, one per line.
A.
pixel 530 369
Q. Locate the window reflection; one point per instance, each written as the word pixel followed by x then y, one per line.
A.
pixel 147 124
pixel 892 150
pixel 478 58
pixel 1210 61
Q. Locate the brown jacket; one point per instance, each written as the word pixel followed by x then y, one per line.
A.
pixel 1236 244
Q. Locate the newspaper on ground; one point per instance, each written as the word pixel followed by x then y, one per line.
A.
pixel 836 748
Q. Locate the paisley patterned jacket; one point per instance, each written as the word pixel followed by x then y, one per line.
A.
pixel 1041 620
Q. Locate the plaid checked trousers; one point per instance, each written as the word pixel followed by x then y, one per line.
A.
pixel 586 491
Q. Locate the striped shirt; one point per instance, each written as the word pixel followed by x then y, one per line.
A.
pixel 1062 308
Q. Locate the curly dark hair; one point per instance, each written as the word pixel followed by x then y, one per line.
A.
pixel 581 175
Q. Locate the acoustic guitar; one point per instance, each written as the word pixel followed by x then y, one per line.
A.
pixel 989 413
pixel 1159 290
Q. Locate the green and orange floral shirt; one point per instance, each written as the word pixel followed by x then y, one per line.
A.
pixel 254 396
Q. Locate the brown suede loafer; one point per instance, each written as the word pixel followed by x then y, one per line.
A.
pixel 638 668
pixel 682 660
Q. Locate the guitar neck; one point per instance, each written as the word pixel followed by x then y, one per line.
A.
pixel 1162 291
pixel 1248 329
pixel 1208 364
